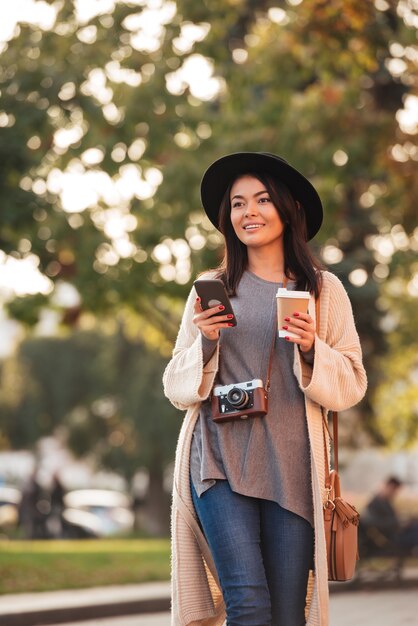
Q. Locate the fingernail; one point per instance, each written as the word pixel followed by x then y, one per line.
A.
pixel 285 327
pixel 287 338
pixel 221 308
pixel 296 314
pixel 197 299
pixel 230 324
pixel 230 316
pixel 287 319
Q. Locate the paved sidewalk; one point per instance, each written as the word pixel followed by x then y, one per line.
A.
pixel 37 609
pixel 374 608
pixel 148 605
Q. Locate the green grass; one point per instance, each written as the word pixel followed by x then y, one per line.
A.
pixel 50 565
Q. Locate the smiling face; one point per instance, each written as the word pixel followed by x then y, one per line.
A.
pixel 254 217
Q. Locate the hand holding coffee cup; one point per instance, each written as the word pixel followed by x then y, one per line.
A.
pixel 294 322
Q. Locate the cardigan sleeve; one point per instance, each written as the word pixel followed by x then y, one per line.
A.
pixel 187 380
pixel 336 379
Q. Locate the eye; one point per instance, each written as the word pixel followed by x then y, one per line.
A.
pixel 265 199
pixel 237 204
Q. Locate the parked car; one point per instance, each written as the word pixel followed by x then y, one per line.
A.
pixel 99 512
pixel 85 513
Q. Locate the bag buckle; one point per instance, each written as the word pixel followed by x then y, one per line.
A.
pixel 329 504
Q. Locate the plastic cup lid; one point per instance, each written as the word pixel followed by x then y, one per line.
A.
pixel 285 293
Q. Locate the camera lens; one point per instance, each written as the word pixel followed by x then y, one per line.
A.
pixel 237 397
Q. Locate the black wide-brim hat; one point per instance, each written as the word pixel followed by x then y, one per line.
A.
pixel 222 172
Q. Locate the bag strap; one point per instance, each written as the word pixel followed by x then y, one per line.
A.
pixel 334 418
pixel 267 385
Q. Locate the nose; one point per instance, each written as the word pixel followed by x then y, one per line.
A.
pixel 251 208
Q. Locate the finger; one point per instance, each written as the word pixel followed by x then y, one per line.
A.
pixel 208 313
pixel 303 342
pixel 197 306
pixel 203 321
pixel 213 331
pixel 299 330
pixel 215 319
pixel 293 339
pixel 303 316
pixel 213 327
pixel 300 323
pixel 303 339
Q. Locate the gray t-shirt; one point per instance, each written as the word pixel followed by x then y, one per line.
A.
pixel 264 457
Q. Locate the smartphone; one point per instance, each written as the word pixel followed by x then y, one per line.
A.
pixel 212 292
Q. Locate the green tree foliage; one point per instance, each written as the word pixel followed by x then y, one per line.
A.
pixel 105 386
pixel 396 401
pixel 323 82
pixel 101 394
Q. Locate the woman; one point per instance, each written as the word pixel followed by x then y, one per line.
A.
pixel 248 540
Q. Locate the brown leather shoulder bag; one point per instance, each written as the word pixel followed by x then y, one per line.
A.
pixel 341 519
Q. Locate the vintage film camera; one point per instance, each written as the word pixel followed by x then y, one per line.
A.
pixel 239 401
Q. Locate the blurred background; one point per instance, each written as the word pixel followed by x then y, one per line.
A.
pixel 110 111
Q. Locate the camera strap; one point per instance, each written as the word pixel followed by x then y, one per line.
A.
pixel 273 343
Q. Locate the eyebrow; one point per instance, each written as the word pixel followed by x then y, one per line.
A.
pixel 237 195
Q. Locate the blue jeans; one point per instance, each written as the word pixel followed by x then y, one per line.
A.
pixel 262 553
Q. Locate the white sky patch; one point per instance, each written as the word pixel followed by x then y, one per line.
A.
pixel 112 113
pixel 195 238
pixel 358 277
pixel 65 295
pixel 39 14
pixel 6 119
pixel 92 156
pixel 88 34
pixel 331 254
pixel 117 74
pixel 65 137
pixel 79 189
pixel 147 27
pixel 88 9
pixel 408 10
pixel 116 224
pixel 385 246
pixel 396 67
pixel 190 34
pixel 407 117
pixel 131 183
pixel 96 86
pixel 196 73
pixel 174 259
pixel 137 149
pixel 240 55
pixel 278 15
pixel 67 91
pixel 20 277
pixel 340 158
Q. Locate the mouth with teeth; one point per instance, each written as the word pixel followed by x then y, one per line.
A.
pixel 252 226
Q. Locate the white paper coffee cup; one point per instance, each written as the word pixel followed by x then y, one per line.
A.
pixel 288 302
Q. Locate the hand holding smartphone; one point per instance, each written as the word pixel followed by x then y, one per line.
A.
pixel 212 293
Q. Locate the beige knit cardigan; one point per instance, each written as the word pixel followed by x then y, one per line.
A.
pixel 336 381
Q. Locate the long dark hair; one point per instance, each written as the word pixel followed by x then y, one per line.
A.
pixel 299 262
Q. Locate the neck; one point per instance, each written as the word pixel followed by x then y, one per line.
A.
pixel 266 264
